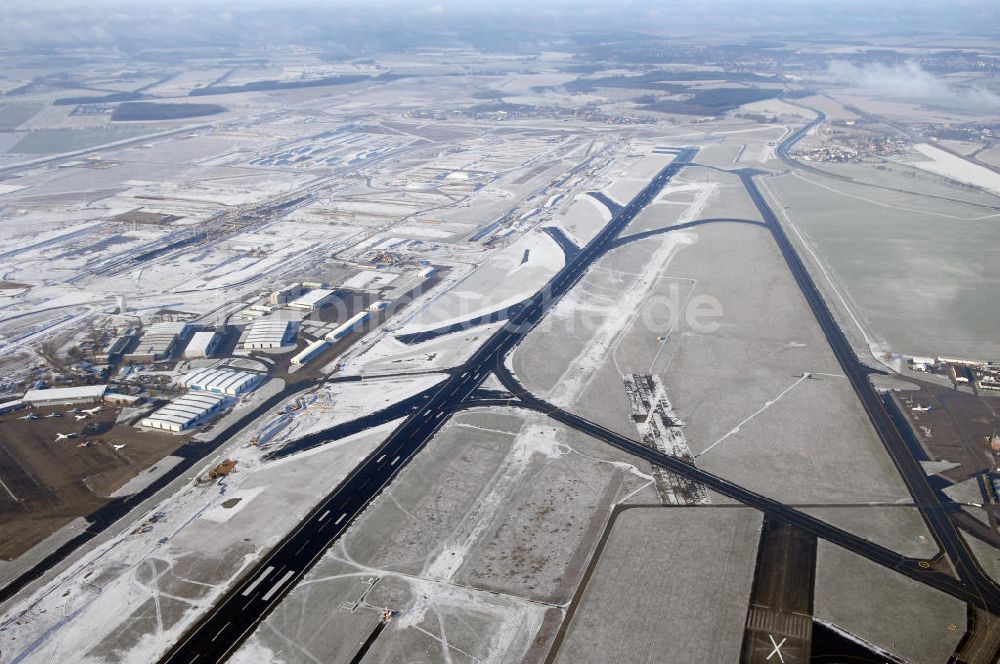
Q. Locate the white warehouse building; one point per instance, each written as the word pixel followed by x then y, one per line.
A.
pixel 314 299
pixel 187 411
pixel 222 381
pixel 268 333
pixel 202 344
pixel 310 352
pixel 351 324
pixel 65 395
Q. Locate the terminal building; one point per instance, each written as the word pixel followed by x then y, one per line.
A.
pixel 222 381
pixel 268 333
pixel 65 395
pixel 186 412
pixel 202 344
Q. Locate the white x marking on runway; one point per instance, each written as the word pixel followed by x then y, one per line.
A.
pixel 777 649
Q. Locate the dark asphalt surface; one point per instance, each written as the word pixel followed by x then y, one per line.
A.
pixel 225 627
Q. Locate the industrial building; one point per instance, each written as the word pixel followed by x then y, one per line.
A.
pixel 65 395
pixel 314 299
pixel 187 411
pixel 114 350
pixel 159 341
pixel 349 326
pixel 268 333
pixel 310 352
pixel 11 406
pixel 222 381
pixel 286 294
pixel 202 344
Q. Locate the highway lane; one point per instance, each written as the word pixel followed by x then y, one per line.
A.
pixel 224 628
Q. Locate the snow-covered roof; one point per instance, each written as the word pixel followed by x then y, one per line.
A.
pixel 61 393
pixel 167 327
pixel 348 326
pixel 310 351
pixel 200 342
pixel 218 380
pixel 311 298
pixel 268 330
pixel 187 409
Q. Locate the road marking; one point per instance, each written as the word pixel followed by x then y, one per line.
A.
pixel 777 649
pixel 340 518
pixel 219 633
pixel 276 587
pixel 256 582
pixel 324 515
pixel 394 461
pixel 379 460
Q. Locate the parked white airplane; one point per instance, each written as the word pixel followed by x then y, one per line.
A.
pixel 64 436
pixel 920 409
pixel 117 447
pixel 92 411
pixel 85 443
pixel 50 415
pixel 81 417
pixel 29 416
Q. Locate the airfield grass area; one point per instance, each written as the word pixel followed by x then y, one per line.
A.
pixel 898 614
pixel 479 539
pixel 740 388
pixel 13 115
pixel 54 141
pixel 903 262
pixel 672 585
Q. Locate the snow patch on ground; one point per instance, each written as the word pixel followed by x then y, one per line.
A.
pixel 954 167
pixel 615 314
pixel 533 438
pixel 336 403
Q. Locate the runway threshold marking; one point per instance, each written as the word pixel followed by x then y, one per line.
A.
pixel 277 586
pixel 256 582
pixel 340 518
pixel 324 515
pixel 394 461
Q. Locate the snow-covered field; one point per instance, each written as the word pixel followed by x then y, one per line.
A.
pixel 501 280
pixel 954 167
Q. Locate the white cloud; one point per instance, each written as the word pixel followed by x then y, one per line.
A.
pixel 910 82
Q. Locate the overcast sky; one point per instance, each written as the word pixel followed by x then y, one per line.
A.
pixel 170 22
